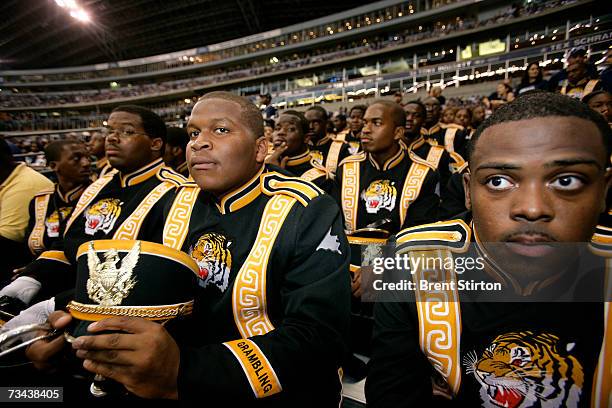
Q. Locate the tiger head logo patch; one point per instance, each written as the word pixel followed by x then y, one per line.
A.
pixel 52 223
pixel 380 194
pixel 102 215
pixel 211 253
pixel 525 369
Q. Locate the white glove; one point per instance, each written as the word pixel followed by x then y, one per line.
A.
pixel 38 313
pixel 23 288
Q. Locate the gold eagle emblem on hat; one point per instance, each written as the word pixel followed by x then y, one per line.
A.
pixel 108 285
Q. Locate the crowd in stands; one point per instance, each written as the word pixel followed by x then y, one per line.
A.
pixel 280 64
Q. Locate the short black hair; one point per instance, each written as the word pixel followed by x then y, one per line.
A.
pixel 542 104
pixel 53 151
pixel 302 121
pixel 251 116
pixel 177 137
pixel 362 108
pixel 152 124
pixel 590 96
pixel 5 149
pixel 318 109
pixel 418 103
pixel 397 113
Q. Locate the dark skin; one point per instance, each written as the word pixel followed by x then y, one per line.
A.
pixel 134 149
pixel 174 156
pixel 545 185
pixel 415 118
pixel 96 145
pixel 73 168
pixel 144 357
pixel 463 118
pixel 288 139
pixel 576 72
pixel 432 105
pixel 317 122
pixel 355 120
pixel 380 135
pixel 339 123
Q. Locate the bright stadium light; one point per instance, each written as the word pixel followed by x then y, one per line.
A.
pixel 81 15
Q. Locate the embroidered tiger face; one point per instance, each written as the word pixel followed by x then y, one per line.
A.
pixel 380 194
pixel 102 215
pixel 211 253
pixel 53 221
pixel 525 369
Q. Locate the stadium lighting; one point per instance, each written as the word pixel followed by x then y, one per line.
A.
pixel 81 15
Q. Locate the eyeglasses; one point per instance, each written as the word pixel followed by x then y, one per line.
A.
pixel 121 133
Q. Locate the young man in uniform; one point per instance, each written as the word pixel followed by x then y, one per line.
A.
pixel 326 149
pixel 292 151
pixel 174 151
pixel 579 82
pixel 273 302
pixel 95 145
pixel 355 124
pixel 534 197
pixel 125 203
pixel 451 136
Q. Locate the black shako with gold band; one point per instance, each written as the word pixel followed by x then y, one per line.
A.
pixel 401 190
pixel 130 278
pixel 272 310
pixel 491 354
pixel 49 213
pixel 330 151
pixel 116 206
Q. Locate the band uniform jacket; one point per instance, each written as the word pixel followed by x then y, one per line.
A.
pixel 116 206
pixel 272 313
pixel 494 353
pixel 402 190
pixel 49 213
pixel 330 151
pixel 453 137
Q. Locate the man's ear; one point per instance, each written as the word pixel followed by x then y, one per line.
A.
pixel 261 149
pixel 398 133
pixel 52 165
pixel 157 144
pixel 466 188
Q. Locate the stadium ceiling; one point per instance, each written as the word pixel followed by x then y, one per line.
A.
pixel 41 34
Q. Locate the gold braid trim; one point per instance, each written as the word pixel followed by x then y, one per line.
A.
pixel 82 311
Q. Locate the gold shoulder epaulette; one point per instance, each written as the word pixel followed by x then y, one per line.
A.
pixel 275 183
pixel 601 241
pixel 453 235
pixel 167 174
pixel 361 156
pixel 451 126
pixel 46 191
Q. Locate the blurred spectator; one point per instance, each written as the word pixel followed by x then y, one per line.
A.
pixel 478 115
pixel 18 185
pixel 265 105
pixel 606 74
pixel 448 115
pixel 436 92
pixel 463 117
pixel 532 79
pixel 397 98
pixel 579 82
pixel 600 101
pixel 575 55
pixel 502 95
pixel 339 121
pixel 175 149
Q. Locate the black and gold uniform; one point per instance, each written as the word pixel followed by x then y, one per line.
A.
pixel 445 163
pixel 273 303
pixel 330 151
pixel 401 190
pixel 493 354
pixel 101 167
pixel 580 89
pixel 304 167
pixel 116 206
pixel 453 137
pixel 353 140
pixel 183 169
pixel 49 213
